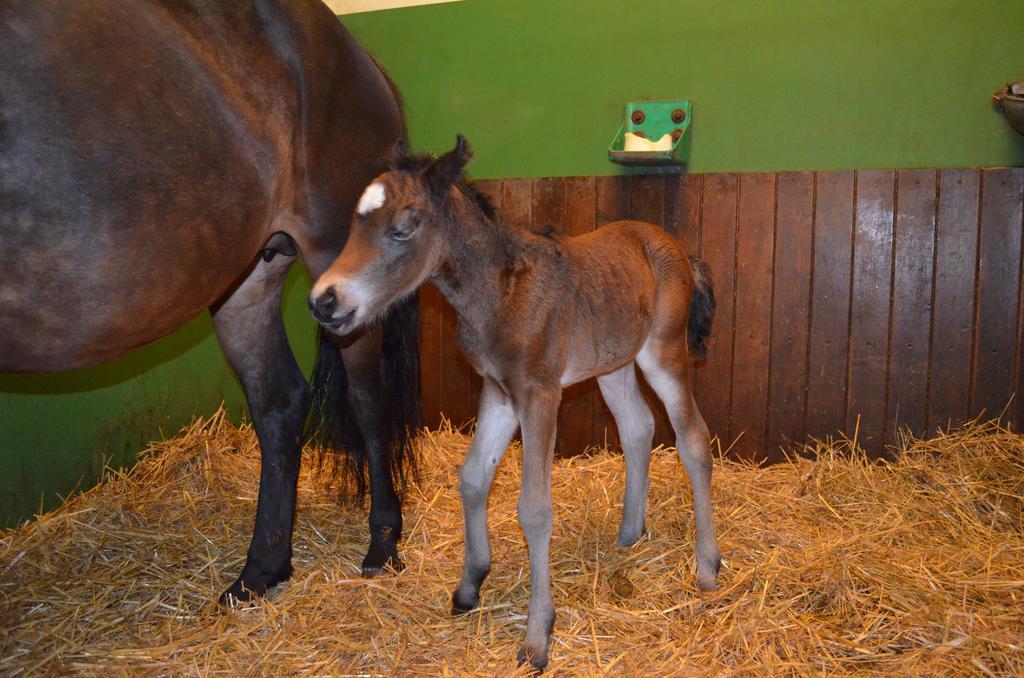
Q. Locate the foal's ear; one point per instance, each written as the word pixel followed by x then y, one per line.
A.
pixel 442 174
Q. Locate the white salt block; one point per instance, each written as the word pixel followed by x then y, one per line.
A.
pixel 634 142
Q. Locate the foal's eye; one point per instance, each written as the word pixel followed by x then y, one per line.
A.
pixel 401 236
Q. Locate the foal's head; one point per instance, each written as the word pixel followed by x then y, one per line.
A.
pixel 395 243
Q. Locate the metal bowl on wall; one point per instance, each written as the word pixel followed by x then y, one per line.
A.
pixel 1011 100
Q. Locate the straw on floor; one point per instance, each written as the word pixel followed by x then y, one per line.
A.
pixel 832 564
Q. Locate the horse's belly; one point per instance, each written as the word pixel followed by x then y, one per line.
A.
pixel 68 318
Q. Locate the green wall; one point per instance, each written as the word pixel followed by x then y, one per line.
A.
pixel 538 87
pixel 59 431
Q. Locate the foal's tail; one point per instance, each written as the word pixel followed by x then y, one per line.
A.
pixel 702 309
pixel 333 427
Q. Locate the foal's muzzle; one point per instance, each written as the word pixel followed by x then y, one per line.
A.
pixel 329 311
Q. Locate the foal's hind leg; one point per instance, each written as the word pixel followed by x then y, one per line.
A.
pixel 636 429
pixel 248 325
pixel 665 365
pixel 495 425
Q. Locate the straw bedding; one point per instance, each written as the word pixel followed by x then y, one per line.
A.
pixel 832 564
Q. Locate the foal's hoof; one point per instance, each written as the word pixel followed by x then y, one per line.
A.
pixel 380 557
pixel 707 577
pixel 537 659
pixel 464 604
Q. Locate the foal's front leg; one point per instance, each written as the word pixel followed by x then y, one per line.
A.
pixel 539 417
pixel 496 424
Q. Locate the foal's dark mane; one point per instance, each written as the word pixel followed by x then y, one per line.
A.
pixel 416 164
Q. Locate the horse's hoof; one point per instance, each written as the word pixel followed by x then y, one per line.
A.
pixel 240 592
pixel 464 605
pixel 379 558
pixel 248 586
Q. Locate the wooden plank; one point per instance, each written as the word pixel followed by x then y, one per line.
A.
pixel 611 203
pixel 914 246
pixel 718 249
pixel 998 301
pixel 580 212
pixel 830 304
pixel 647 199
pixel 579 401
pixel 953 315
pixel 754 246
pixel 612 198
pixel 516 201
pixel 682 220
pixel 548 207
pixel 790 309
pixel 869 314
pixel 682 211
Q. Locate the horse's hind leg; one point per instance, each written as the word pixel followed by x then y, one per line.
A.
pixel 249 327
pixel 636 429
pixel 496 424
pixel 665 365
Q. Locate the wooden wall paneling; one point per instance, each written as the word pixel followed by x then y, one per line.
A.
pixel 755 235
pixel 869 314
pixel 682 221
pixel 790 309
pixel 718 249
pixel 998 286
pixel 579 401
pixel 517 201
pixel 913 268
pixel 647 204
pixel 611 203
pixel 612 195
pixel 956 240
pixel 580 205
pixel 647 198
pixel 682 211
pixel 867 294
pixel 548 206
pixel 830 304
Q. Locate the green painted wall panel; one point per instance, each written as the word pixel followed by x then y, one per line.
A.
pixel 538 85
pixel 58 431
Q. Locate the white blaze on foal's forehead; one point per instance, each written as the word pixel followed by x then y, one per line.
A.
pixel 372 198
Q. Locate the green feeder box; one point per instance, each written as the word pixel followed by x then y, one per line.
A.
pixel 651 121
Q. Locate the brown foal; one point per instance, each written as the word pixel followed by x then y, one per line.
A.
pixel 536 314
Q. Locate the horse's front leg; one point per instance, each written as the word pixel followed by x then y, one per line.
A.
pixel 539 417
pixel 496 424
pixel 249 327
pixel 366 395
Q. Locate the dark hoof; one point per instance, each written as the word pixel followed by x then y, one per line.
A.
pixel 249 586
pixel 536 661
pixel 462 605
pixel 379 558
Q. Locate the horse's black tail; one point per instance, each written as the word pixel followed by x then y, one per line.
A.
pixel 333 428
pixel 702 309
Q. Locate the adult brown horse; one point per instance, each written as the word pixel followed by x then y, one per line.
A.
pixel 163 157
